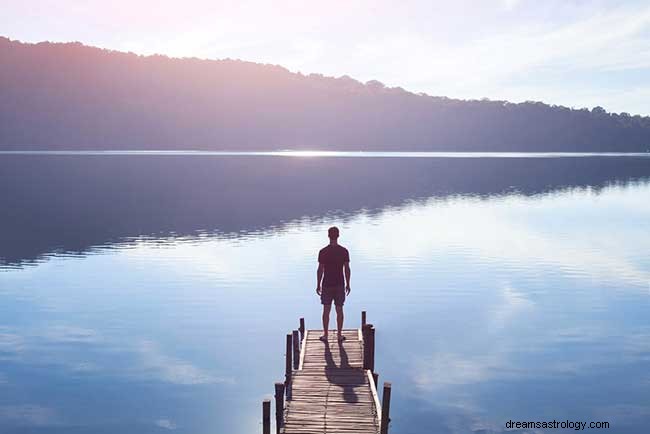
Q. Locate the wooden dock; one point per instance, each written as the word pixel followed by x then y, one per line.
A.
pixel 329 387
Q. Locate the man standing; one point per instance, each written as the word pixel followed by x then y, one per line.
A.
pixel 333 260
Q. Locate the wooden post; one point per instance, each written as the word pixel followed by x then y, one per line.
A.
pixel 372 349
pixel 302 329
pixel 375 377
pixel 385 408
pixel 279 406
pixel 366 347
pixel 266 416
pixel 363 319
pixel 296 349
pixel 369 347
pixel 288 366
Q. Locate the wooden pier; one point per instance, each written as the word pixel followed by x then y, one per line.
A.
pixel 330 387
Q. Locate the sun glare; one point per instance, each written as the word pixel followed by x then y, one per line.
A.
pixel 309 153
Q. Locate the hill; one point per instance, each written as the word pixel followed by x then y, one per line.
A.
pixel 71 96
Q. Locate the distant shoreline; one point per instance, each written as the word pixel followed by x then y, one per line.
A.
pixel 68 95
pixel 329 154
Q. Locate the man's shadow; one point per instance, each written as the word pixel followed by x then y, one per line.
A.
pixel 344 375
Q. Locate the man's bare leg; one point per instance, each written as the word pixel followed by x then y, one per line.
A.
pixel 339 321
pixel 326 319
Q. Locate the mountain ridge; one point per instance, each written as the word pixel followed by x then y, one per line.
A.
pixel 56 96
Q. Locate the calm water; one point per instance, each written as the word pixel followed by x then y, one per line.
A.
pixel 151 294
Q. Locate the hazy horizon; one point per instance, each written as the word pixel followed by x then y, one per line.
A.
pixel 515 50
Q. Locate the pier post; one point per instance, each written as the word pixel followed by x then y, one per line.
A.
pixel 363 319
pixel 375 377
pixel 369 347
pixel 302 329
pixel 288 366
pixel 296 349
pixel 279 406
pixel 266 416
pixel 385 408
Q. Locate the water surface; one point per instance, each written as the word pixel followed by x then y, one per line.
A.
pixel 151 294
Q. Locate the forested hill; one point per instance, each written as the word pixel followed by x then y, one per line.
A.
pixel 70 96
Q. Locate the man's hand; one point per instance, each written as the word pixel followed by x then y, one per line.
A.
pixel 318 290
pixel 347 290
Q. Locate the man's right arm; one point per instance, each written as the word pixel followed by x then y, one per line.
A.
pixel 319 277
pixel 346 271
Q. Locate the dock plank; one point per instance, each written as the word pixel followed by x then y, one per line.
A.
pixel 331 393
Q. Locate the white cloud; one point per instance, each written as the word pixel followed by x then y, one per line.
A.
pixel 512 303
pixel 165 423
pixel 450 369
pixel 154 364
pixel 509 4
pixel 598 41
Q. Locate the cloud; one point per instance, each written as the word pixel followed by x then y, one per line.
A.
pixel 513 229
pixel 156 365
pixel 509 4
pixel 165 423
pixel 512 303
pixel 501 56
pixel 30 415
pixel 11 344
pixel 453 369
pixel 71 334
pixel 36 347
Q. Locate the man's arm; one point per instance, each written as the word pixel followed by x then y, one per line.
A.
pixel 346 268
pixel 319 277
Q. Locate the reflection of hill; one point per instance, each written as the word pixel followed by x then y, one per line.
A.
pixel 69 96
pixel 74 203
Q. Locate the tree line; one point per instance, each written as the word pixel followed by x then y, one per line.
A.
pixel 72 96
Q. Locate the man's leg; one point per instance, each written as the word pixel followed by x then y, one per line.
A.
pixel 326 318
pixel 339 319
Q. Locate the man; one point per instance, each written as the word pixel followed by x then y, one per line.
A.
pixel 333 261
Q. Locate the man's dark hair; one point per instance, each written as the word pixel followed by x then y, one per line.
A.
pixel 333 233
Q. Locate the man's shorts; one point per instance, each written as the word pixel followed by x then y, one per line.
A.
pixel 333 293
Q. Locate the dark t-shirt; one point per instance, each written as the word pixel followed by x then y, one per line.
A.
pixel 333 257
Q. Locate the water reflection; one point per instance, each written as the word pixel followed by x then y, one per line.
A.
pixel 524 298
pixel 70 204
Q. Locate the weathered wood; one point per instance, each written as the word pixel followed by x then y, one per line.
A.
pixel 302 351
pixel 385 408
pixel 331 392
pixel 375 395
pixel 363 318
pixel 266 416
pixel 369 347
pixel 296 349
pixel 288 366
pixel 279 406
pixel 302 329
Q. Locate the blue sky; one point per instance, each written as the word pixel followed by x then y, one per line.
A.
pixel 573 53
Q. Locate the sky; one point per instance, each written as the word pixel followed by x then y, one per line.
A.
pixel 568 52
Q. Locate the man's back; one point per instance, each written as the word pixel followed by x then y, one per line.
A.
pixel 333 257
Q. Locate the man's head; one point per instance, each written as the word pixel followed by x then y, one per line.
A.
pixel 333 233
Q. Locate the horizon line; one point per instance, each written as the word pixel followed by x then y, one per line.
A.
pixel 326 154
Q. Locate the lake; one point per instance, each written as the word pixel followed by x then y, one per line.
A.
pixel 151 292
